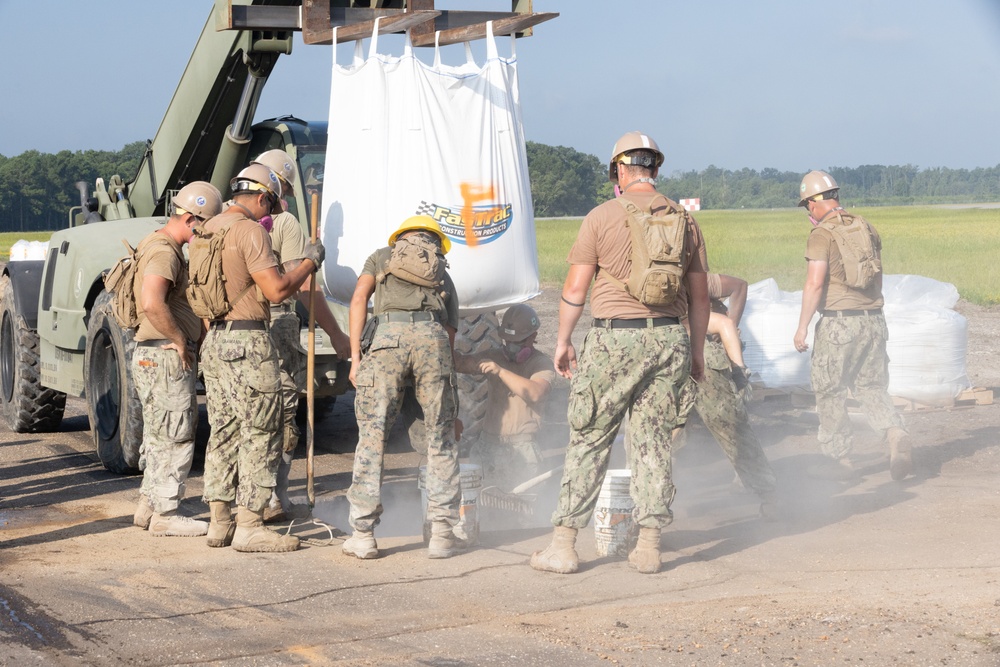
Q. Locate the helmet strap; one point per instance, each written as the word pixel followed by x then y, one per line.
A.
pixel 644 179
pixel 246 210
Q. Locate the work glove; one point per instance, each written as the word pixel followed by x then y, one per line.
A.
pixel 315 252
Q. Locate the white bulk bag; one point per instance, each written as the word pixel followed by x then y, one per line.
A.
pixel 926 347
pixel 407 138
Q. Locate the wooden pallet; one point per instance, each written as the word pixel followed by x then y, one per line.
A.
pixel 967 398
pixel 805 399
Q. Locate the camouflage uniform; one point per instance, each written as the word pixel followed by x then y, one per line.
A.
pixel 402 354
pixel 285 330
pixel 166 390
pixel 507 460
pixel 170 417
pixel 725 416
pixel 644 372
pixel 849 353
pixel 243 393
pixel 849 348
pixel 399 352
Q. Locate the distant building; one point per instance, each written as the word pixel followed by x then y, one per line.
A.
pixel 691 204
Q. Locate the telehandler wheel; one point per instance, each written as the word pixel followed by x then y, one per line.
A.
pixel 27 406
pixel 112 403
pixel 476 334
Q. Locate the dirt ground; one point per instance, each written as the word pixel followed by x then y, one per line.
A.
pixel 870 572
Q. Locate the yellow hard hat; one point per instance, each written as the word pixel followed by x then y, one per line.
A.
pixel 426 223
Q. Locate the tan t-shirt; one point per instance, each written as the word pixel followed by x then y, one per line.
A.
pixel 247 250
pixel 160 255
pixel 604 241
pixel 513 416
pixel 837 295
pixel 288 241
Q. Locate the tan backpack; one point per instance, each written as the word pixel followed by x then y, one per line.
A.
pixel 120 281
pixel 417 261
pixel 856 240
pixel 206 292
pixel 658 249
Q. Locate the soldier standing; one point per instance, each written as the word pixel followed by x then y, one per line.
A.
pixel 240 367
pixel 288 241
pixel 520 378
pixel 844 284
pixel 414 343
pixel 164 363
pixel 636 359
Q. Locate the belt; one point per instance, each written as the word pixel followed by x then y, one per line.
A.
pixel 647 323
pixel 160 342
pixel 154 342
pixel 407 316
pixel 851 313
pixel 239 325
pixel 283 307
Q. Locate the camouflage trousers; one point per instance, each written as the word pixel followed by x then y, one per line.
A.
pixel 285 330
pixel 642 372
pixel 170 419
pixel 849 355
pixel 243 392
pixel 507 461
pixel 725 415
pixel 402 353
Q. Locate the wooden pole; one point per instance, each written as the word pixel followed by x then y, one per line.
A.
pixel 311 367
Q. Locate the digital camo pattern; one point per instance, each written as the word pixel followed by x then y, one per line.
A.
pixel 642 372
pixel 507 462
pixel 849 355
pixel 243 393
pixel 400 353
pixel 725 415
pixel 170 419
pixel 285 328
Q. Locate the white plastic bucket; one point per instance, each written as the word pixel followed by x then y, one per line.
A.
pixel 467 530
pixel 613 514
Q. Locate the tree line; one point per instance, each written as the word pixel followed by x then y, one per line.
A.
pixel 37 189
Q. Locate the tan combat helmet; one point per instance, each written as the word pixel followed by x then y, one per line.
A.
pixel 258 178
pixel 817 183
pixel 200 199
pixel 634 141
pixel 518 323
pixel 280 163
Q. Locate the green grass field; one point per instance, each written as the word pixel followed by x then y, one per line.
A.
pixel 957 246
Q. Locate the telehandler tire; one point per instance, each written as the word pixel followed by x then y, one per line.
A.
pixel 27 406
pixel 113 405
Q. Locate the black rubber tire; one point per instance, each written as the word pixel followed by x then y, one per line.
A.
pixel 112 403
pixel 476 334
pixel 27 406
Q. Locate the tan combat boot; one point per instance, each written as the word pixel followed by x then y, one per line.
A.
pixel 361 545
pixel 252 536
pixel 143 513
pixel 443 543
pixel 646 555
pixel 173 524
pixel 900 462
pixel 560 556
pixel 222 526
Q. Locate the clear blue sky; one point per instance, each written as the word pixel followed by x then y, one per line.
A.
pixel 730 83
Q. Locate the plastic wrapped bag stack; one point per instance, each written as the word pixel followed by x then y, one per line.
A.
pixel 927 338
